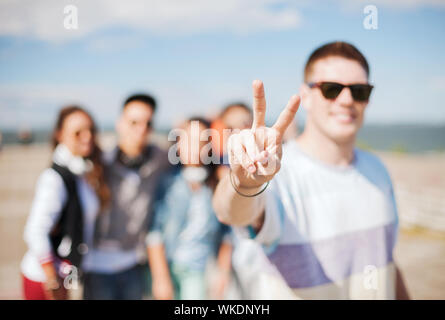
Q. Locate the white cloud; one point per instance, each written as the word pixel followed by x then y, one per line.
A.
pixel 392 4
pixel 43 19
pixel 406 4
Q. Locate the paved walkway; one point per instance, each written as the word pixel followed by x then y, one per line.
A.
pixel 420 255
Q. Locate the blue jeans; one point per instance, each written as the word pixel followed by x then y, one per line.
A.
pixel 125 285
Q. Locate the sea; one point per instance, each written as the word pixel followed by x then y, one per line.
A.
pixel 402 138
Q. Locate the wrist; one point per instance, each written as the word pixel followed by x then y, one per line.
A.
pixel 224 271
pixel 161 278
pixel 246 191
pixel 252 186
pixel 53 284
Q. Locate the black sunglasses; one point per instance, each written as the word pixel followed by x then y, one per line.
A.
pixel 331 90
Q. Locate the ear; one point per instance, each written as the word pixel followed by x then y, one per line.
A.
pixel 57 135
pixel 304 90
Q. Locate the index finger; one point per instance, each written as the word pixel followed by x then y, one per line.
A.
pixel 287 115
pixel 259 104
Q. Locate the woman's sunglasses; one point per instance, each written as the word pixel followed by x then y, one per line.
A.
pixel 331 90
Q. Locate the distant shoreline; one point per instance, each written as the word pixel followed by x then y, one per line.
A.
pixel 394 138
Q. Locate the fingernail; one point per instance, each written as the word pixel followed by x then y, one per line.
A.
pixel 251 168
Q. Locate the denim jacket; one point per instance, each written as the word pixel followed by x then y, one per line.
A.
pixel 184 221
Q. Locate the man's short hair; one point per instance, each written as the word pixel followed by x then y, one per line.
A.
pixel 335 49
pixel 144 98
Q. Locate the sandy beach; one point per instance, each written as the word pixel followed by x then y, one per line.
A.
pixel 419 182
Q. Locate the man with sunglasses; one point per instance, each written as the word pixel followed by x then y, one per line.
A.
pixel 323 210
pixel 133 170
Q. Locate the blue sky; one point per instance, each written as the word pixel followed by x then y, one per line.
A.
pixel 197 56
